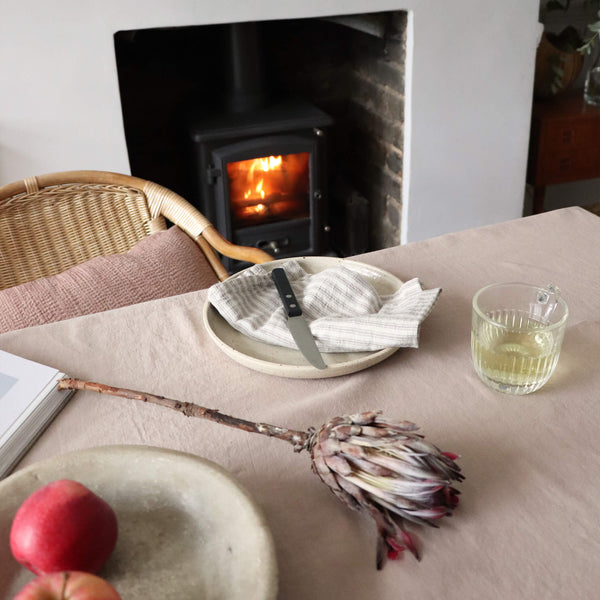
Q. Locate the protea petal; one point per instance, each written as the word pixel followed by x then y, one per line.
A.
pixel 364 418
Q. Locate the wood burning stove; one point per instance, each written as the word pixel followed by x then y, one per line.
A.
pixel 262 178
pixel 259 165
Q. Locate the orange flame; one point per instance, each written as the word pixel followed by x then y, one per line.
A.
pixel 264 164
pixel 271 187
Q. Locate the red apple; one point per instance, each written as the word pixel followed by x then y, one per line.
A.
pixel 63 526
pixel 68 585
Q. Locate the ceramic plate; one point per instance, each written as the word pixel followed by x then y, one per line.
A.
pixel 286 362
pixel 187 530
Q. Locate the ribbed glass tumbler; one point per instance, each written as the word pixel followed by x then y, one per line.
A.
pixel 516 335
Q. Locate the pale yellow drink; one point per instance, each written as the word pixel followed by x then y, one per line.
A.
pixel 512 350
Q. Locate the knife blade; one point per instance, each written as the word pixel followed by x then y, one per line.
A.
pixel 295 320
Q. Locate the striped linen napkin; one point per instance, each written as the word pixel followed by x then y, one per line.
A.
pixel 343 310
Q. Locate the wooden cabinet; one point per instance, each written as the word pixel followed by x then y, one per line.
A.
pixel 564 144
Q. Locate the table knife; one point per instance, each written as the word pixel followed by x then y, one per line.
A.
pixel 295 320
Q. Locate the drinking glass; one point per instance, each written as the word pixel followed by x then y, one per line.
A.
pixel 517 331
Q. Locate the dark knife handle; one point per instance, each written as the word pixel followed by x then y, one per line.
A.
pixel 292 308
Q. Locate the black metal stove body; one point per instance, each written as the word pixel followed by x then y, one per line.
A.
pixel 259 165
pixel 292 132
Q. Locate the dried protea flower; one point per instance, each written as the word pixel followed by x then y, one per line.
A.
pixel 373 465
pixel 388 471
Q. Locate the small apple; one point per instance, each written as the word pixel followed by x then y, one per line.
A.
pixel 63 526
pixel 68 585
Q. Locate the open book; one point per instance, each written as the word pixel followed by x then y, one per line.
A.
pixel 29 400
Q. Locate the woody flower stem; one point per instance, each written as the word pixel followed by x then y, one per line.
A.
pixel 381 468
pixel 298 439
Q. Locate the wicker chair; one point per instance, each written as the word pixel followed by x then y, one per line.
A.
pixel 52 222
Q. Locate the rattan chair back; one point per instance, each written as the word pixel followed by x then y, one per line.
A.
pixel 52 222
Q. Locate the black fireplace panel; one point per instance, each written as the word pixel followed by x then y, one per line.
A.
pixel 289 238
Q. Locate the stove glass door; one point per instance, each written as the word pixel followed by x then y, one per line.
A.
pixel 269 189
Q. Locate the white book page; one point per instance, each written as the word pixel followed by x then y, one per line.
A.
pixel 21 382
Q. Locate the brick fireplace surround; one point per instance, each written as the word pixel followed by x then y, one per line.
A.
pixel 351 68
pixel 466 106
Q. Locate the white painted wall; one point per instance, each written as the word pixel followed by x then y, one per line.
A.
pixel 470 77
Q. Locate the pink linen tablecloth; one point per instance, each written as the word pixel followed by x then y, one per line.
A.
pixel 527 524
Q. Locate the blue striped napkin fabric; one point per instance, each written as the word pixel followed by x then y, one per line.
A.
pixel 344 311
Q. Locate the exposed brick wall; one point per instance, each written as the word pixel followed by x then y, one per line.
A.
pixel 378 135
pixel 358 79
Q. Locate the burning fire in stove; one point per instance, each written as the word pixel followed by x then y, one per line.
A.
pixel 269 188
pixel 264 165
